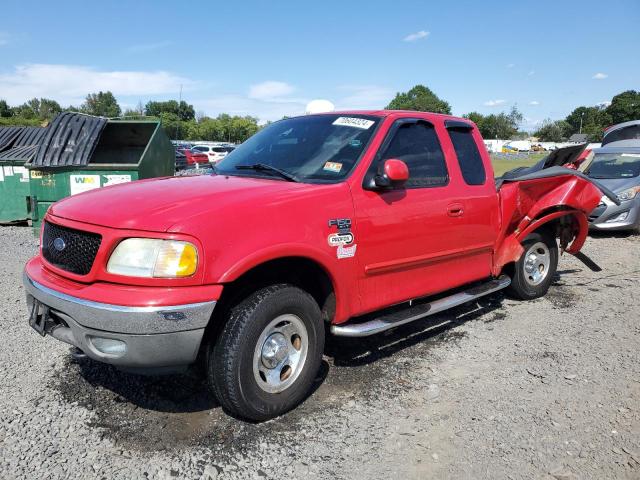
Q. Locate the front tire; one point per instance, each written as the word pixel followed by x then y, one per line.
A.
pixel 533 273
pixel 267 356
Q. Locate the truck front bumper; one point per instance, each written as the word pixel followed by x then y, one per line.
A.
pixel 137 338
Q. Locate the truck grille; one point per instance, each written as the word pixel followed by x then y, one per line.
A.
pixel 69 249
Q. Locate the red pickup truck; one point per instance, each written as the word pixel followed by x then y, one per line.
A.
pixel 317 221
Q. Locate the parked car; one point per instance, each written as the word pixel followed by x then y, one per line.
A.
pixel 214 152
pixel 628 132
pixel 617 168
pixel 196 157
pixel 350 221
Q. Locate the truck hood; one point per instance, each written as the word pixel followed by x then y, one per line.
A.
pixel 158 204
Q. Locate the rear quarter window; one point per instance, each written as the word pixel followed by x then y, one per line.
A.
pixel 468 155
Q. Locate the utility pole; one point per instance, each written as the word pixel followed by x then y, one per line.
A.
pixel 581 115
pixel 179 107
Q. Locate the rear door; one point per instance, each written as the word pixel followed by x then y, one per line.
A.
pixel 419 239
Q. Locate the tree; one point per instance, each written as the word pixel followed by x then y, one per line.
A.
pixel 475 117
pixel 624 107
pixel 421 99
pixel 5 110
pixel 502 125
pixel 551 131
pixel 40 109
pixel 183 110
pixel 102 104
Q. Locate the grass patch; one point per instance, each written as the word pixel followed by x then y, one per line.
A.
pixel 505 162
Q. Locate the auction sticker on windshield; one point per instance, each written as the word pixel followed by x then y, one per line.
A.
pixel 332 167
pixel 362 123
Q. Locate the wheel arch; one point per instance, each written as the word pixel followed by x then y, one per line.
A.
pixel 569 225
pixel 305 272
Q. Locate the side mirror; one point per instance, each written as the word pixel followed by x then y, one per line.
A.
pixel 395 174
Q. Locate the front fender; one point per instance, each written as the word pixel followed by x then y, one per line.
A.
pixel 529 204
pixel 341 287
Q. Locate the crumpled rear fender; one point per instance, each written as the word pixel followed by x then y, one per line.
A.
pixel 528 205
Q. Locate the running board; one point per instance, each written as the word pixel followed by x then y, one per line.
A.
pixel 417 312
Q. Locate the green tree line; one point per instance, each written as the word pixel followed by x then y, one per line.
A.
pixel 589 120
pixel 180 121
pixel 178 117
pixel 592 120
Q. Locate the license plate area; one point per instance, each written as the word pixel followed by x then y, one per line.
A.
pixel 39 316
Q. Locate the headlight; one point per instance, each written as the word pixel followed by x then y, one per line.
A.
pixel 148 257
pixel 628 194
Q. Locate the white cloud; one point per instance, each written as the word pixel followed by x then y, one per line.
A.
pixel 235 104
pixel 364 97
pixel 4 38
pixel 603 104
pixel 147 47
pixel 69 84
pixel 600 76
pixel 531 72
pixel 412 37
pixel 494 103
pixel 270 90
pixel 534 102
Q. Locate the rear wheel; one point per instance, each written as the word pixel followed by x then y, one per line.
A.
pixel 533 273
pixel 266 358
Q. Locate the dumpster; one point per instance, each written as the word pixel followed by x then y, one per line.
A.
pixel 14 177
pixel 81 153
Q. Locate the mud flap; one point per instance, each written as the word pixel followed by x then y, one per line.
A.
pixel 593 266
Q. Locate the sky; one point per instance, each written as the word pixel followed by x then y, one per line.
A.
pixel 269 58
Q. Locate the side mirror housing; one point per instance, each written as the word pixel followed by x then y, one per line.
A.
pixel 395 174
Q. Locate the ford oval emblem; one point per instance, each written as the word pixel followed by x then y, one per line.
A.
pixel 59 244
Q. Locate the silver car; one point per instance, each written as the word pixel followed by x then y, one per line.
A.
pixel 617 168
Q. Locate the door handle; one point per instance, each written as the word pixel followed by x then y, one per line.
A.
pixel 455 210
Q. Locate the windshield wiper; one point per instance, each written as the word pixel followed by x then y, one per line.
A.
pixel 269 168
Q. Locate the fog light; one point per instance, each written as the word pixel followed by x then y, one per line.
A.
pixel 109 346
pixel 618 218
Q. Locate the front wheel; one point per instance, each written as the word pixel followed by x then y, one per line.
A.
pixel 533 273
pixel 266 358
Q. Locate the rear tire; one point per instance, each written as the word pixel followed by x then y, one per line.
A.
pixel 267 356
pixel 533 272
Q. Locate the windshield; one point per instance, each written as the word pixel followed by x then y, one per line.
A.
pixel 615 165
pixel 314 149
pixel 631 132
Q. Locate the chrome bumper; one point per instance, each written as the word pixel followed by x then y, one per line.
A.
pixel 154 336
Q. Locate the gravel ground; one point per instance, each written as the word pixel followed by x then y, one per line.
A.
pixel 496 389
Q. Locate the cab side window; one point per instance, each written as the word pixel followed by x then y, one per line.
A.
pixel 468 156
pixel 417 145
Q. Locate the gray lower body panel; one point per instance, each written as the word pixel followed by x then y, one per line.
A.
pixel 153 336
